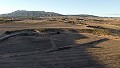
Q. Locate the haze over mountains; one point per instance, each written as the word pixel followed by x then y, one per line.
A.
pixel 24 13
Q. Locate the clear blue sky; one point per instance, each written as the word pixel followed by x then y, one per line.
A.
pixel 93 7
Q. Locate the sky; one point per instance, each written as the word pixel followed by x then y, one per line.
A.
pixel 103 8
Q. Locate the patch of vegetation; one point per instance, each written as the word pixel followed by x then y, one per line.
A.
pixel 98 20
pixel 70 22
pixel 95 31
pixel 97 27
pixel 50 30
pixel 2 21
pixel 15 31
pixel 112 32
pixel 117 24
pixel 101 32
pixel 106 31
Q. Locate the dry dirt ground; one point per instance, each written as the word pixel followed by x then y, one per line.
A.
pixel 64 50
pixel 9 26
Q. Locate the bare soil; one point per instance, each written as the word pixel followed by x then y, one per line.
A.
pixel 67 49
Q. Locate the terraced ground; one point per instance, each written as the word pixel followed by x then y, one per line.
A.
pixel 59 49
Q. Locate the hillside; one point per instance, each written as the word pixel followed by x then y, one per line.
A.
pixel 24 13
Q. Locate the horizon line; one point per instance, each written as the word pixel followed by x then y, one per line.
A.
pixel 66 14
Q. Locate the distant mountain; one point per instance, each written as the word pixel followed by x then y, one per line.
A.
pixel 25 14
pixel 83 15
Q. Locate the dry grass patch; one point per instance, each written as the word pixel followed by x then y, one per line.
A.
pixel 108 54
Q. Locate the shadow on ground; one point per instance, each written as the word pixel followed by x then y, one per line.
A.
pixel 63 52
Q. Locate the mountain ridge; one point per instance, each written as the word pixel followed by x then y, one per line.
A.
pixel 25 13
